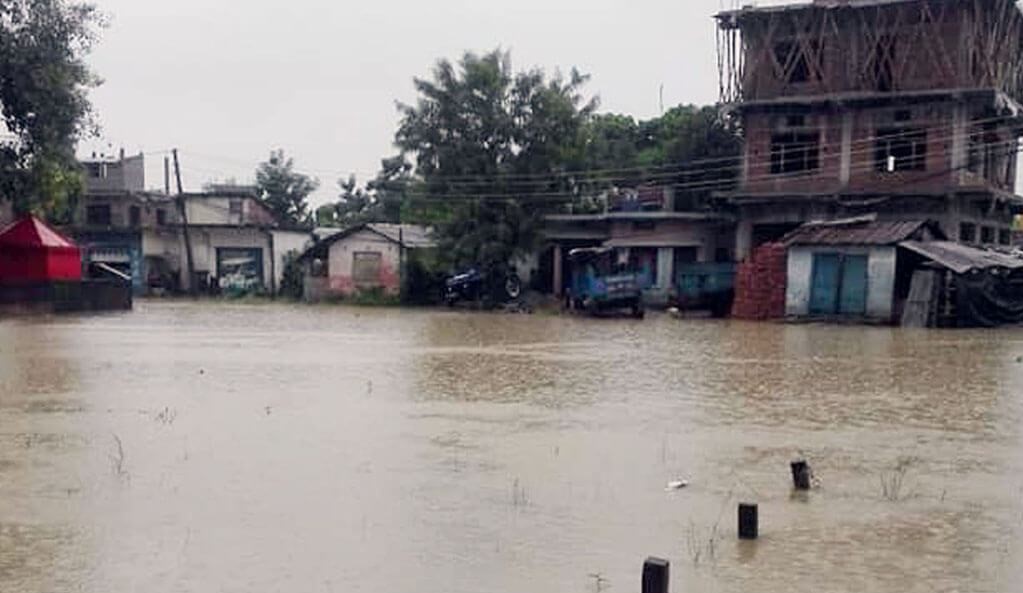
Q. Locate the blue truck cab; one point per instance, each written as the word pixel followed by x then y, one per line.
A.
pixel 599 282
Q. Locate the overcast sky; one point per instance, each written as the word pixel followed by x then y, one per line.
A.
pixel 226 81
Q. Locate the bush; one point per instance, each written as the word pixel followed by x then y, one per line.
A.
pixel 423 280
pixel 292 278
pixel 373 297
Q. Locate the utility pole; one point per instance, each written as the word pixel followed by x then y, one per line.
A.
pixel 166 175
pixel 184 225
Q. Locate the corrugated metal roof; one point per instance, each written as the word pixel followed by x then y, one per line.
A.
pixel 410 235
pixel 962 258
pixel 856 233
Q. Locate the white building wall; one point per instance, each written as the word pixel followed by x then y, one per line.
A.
pixel 206 241
pixel 285 243
pixel 210 210
pixel 881 282
pixel 6 213
pixel 797 286
pixel 339 264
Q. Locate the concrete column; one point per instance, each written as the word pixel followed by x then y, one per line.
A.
pixel 743 239
pixel 845 167
pixel 665 267
pixel 959 145
pixel 557 281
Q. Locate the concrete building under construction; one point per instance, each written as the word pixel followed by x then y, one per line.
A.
pixel 901 109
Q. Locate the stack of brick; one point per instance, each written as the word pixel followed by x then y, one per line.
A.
pixel 760 284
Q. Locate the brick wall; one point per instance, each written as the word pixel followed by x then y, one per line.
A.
pixel 760 284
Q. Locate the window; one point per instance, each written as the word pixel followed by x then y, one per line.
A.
pixel 134 216
pixel 161 217
pixel 794 152
pixel 967 232
pixel 235 210
pixel 98 215
pixel 1005 237
pixel 795 63
pixel 686 255
pixel 644 225
pixel 96 170
pixel 722 255
pixel 987 235
pixel 366 267
pixel 900 149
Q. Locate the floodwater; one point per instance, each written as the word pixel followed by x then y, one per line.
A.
pixel 265 448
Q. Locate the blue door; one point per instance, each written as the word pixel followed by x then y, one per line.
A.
pixel 852 298
pixel 824 284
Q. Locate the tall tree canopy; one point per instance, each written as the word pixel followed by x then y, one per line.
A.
pixel 284 190
pixel 490 147
pixel 43 98
pixel 689 148
pixel 381 200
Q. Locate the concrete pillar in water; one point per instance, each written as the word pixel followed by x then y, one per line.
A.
pixel 655 575
pixel 743 240
pixel 748 521
pixel 557 281
pixel 800 475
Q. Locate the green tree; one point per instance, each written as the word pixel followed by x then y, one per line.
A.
pixel 381 199
pixel 690 148
pixel 284 190
pixel 491 148
pixel 44 83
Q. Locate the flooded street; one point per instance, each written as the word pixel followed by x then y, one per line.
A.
pixel 265 448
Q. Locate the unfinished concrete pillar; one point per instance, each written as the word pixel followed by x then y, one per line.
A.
pixel 665 267
pixel 845 167
pixel 557 281
pixel 743 239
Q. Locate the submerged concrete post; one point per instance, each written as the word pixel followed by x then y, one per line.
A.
pixel 655 575
pixel 558 274
pixel 748 521
pixel 800 475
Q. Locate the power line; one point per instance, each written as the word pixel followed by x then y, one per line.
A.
pixel 707 185
pixel 605 175
pixel 699 183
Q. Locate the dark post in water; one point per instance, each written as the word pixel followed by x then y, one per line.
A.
pixel 655 575
pixel 801 474
pixel 748 528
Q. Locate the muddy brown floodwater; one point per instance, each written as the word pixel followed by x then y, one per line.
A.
pixel 264 448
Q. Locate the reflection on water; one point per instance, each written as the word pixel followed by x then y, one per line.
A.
pixel 277 448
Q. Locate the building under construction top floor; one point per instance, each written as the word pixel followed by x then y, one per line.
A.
pixel 903 109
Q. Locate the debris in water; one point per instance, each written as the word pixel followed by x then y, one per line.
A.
pixel 676 485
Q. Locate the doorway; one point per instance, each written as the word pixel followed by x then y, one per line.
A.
pixel 838 284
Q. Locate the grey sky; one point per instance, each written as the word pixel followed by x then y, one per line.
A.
pixel 226 81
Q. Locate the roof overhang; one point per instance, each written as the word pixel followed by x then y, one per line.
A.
pixel 963 258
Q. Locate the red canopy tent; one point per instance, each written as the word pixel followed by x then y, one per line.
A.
pixel 31 251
